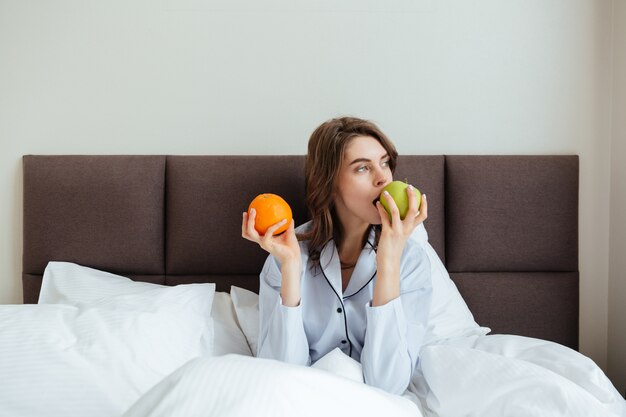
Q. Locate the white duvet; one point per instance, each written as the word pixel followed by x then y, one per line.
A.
pixel 512 376
pixel 243 386
pixel 489 376
pixel 106 346
pixel 481 376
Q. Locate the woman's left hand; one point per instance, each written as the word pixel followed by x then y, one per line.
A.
pixel 393 238
pixel 395 231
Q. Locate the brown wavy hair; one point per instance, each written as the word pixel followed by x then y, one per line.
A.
pixel 325 153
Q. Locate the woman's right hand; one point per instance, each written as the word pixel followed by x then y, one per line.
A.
pixel 284 247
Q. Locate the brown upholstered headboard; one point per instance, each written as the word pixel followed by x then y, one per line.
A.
pixel 506 227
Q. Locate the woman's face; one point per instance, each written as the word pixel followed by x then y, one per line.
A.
pixel 363 173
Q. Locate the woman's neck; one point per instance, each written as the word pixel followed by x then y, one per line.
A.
pixel 350 246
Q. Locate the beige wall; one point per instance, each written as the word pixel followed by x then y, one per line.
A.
pixel 617 255
pixel 247 77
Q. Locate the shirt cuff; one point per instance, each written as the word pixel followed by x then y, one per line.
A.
pixel 290 315
pixel 385 315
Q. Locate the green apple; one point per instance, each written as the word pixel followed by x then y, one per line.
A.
pixel 397 190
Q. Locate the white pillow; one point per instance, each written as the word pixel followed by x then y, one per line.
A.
pixel 449 315
pixel 228 337
pixel 246 305
pixel 70 283
pixel 62 360
pixel 73 284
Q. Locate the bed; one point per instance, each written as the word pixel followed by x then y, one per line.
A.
pixel 107 329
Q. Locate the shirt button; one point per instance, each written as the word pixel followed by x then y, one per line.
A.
pixel 339 310
pixel 343 342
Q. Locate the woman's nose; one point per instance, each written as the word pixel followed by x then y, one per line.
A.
pixel 381 179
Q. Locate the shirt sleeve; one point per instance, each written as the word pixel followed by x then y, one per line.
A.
pixel 395 331
pixel 281 328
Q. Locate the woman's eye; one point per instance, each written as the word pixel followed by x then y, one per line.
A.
pixel 385 163
pixel 362 168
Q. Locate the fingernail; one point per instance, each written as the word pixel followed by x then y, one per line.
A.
pixel 386 192
pixel 424 196
pixel 410 187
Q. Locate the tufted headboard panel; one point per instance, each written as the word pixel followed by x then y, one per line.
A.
pixel 506 227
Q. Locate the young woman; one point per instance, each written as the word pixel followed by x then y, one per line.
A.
pixel 352 277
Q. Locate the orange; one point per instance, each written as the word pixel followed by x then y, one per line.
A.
pixel 270 209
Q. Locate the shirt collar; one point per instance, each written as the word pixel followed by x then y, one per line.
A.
pixel 363 271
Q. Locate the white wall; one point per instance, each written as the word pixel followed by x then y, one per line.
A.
pixel 617 264
pixel 255 77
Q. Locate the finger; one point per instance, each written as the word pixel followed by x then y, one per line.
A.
pixel 251 230
pixel 291 230
pixel 244 224
pixel 423 213
pixel 412 211
pixel 385 221
pixel 393 208
pixel 292 227
pixel 270 230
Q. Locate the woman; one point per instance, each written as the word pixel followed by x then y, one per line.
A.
pixel 352 277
